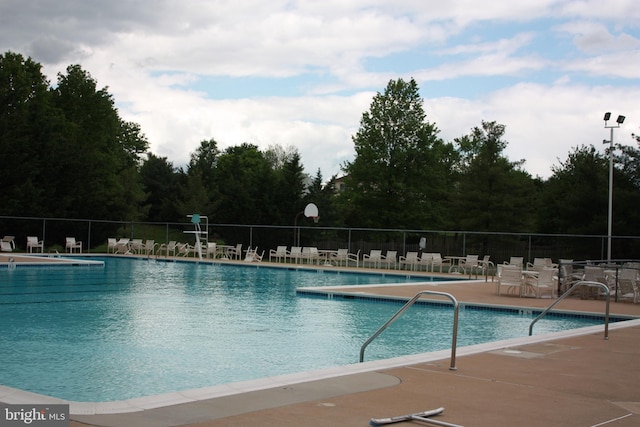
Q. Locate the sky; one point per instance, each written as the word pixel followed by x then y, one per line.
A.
pixel 300 73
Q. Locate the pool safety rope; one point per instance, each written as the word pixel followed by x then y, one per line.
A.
pixel 419 416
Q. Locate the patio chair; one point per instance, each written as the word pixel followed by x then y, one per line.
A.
pixel 280 253
pixel 33 242
pixel 168 247
pixel 149 247
pixel 509 276
pixel 487 265
pixel 518 261
pixel 112 245
pixel 211 250
pixel 409 260
pixel 295 255
pixel 469 265
pixel 593 273
pixel 373 257
pixel 537 264
pixel 545 280
pixel 313 256
pixel 135 246
pixel 437 260
pixel 72 244
pixel 391 257
pixel 235 253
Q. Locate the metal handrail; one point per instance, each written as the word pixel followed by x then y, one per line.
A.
pixel 566 294
pixel 405 308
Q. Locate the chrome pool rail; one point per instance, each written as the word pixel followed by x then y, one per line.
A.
pixel 566 294
pixel 405 307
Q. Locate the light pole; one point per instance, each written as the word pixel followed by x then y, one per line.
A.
pixel 619 121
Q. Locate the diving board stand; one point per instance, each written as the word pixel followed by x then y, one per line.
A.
pixel 196 219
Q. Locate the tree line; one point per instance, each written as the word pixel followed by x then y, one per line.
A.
pixel 67 153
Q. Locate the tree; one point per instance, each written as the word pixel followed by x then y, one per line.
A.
pixel 289 188
pixel 28 122
pixel 245 181
pixel 398 178
pixel 97 156
pixel 492 192
pixel 575 197
pixel 160 183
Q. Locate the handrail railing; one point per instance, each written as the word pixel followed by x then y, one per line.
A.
pixel 566 294
pixel 405 308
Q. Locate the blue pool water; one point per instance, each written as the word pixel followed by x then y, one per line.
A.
pixel 142 327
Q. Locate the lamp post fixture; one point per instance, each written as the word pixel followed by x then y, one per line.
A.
pixel 619 121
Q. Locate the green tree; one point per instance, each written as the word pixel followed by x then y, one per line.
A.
pixel 28 122
pixel 398 178
pixel 94 165
pixel 575 197
pixel 492 193
pixel 245 182
pixel 160 184
pixel 289 185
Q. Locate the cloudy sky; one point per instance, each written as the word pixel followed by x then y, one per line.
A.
pixel 301 72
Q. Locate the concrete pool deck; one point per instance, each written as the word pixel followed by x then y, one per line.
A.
pixel 573 379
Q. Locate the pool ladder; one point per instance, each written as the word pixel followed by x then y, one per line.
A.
pixel 566 294
pixel 405 308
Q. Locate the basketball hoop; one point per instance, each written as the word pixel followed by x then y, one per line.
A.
pixel 315 219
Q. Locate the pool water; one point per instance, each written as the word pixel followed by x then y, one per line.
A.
pixel 143 327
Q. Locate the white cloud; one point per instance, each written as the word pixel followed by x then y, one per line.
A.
pixel 547 69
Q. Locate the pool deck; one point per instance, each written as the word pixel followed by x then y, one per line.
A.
pixel 571 379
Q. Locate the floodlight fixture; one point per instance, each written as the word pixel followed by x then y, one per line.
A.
pixel 619 122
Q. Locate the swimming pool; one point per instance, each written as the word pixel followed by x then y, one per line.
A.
pixel 143 327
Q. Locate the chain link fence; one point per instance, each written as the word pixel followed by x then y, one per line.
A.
pixel 499 245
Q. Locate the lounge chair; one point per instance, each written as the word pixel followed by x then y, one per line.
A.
pixel 253 255
pixel 5 246
pixel 280 253
pixel 122 246
pixel 184 249
pixel 72 244
pixel 8 243
pixel 33 242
